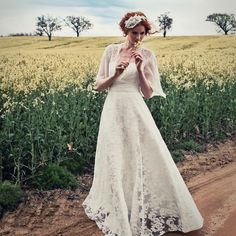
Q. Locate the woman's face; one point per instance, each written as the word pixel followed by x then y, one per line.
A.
pixel 136 34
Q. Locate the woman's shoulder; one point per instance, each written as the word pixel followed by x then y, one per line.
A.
pixel 111 48
pixel 147 52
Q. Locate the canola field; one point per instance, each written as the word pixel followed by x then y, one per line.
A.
pixel 28 62
pixel 50 112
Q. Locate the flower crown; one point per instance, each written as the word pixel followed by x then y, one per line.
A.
pixel 134 20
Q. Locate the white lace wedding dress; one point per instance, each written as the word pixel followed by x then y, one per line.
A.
pixel 137 189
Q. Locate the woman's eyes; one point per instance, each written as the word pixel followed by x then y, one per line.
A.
pixel 135 33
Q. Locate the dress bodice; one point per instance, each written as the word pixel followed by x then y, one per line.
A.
pixel 127 81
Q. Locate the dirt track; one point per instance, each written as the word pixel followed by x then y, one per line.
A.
pixel 210 176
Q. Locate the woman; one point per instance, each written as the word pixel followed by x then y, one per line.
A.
pixel 137 188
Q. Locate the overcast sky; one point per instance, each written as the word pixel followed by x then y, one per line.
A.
pixel 189 16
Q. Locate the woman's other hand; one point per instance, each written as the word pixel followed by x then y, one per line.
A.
pixel 138 60
pixel 120 67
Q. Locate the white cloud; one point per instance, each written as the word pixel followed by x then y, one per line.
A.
pixel 188 15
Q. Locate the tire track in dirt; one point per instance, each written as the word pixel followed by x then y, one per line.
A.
pixel 214 192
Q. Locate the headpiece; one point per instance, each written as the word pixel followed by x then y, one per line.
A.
pixel 134 20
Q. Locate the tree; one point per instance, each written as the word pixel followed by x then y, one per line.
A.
pixel 78 24
pixel 165 23
pixel 39 32
pixel 225 22
pixel 47 25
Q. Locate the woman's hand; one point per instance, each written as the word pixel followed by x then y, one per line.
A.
pixel 138 60
pixel 120 67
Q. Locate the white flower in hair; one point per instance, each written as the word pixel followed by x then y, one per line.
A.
pixel 134 20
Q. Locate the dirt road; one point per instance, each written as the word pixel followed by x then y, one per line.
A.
pixel 215 196
pixel 210 176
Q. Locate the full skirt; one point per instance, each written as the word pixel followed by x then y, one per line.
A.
pixel 137 188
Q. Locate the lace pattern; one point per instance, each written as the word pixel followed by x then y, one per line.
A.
pixel 151 71
pixel 156 223
pixel 137 189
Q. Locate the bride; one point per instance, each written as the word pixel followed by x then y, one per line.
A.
pixel 137 188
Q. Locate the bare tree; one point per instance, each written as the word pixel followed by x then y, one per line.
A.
pixel 78 23
pixel 47 25
pixel 39 32
pixel 225 22
pixel 165 22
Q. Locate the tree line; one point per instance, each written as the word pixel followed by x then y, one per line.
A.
pixel 47 25
pixel 225 22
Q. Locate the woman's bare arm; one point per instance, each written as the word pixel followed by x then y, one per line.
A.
pixel 145 86
pixel 103 84
pixel 143 81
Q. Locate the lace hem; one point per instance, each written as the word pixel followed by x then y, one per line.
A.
pixel 99 217
pixel 155 224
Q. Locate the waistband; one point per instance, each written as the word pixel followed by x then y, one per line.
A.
pixel 125 89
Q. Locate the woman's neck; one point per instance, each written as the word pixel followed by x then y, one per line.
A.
pixel 128 45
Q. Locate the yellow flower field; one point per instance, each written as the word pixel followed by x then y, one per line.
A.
pixel 46 102
pixel 27 62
